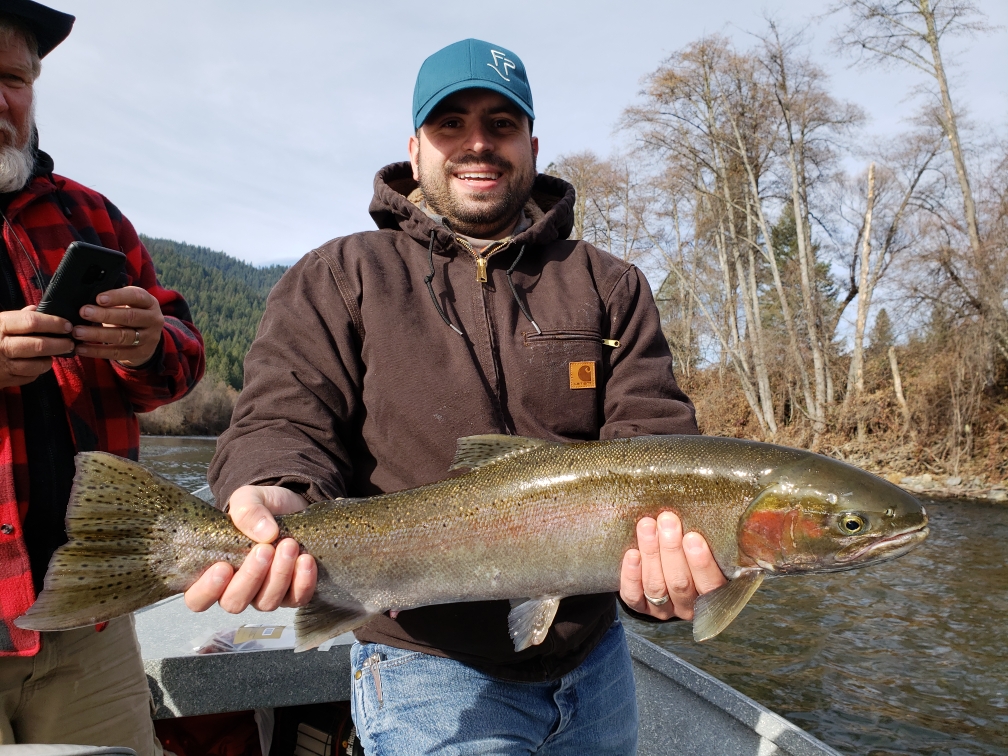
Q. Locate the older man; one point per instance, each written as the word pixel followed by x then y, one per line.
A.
pixel 67 389
pixel 468 311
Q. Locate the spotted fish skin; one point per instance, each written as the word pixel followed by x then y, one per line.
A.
pixel 531 519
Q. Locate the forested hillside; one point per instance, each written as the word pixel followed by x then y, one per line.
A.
pixel 227 297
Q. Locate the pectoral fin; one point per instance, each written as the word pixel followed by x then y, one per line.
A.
pixel 714 611
pixel 319 621
pixel 529 621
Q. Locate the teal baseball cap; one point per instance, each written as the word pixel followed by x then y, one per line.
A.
pixel 470 64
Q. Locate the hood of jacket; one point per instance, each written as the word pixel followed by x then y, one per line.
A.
pixel 391 208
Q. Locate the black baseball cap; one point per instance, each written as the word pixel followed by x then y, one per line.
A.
pixel 49 26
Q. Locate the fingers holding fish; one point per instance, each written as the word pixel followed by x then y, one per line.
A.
pixel 252 510
pixel 673 570
pixel 278 579
pixel 268 577
pixel 669 570
pixel 706 574
pixel 209 587
pixel 631 585
pixel 303 585
pixel 642 580
pixel 653 578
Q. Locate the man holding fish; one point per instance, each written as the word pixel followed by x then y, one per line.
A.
pixel 467 312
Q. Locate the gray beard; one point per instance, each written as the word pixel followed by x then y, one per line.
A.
pixel 16 163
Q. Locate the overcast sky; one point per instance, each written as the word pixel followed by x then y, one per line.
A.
pixel 256 127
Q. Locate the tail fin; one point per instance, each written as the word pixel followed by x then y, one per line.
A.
pixel 133 541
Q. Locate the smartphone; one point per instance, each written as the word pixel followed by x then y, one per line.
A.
pixel 85 271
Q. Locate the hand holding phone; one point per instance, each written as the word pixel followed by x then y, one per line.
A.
pixel 28 342
pixel 85 271
pixel 111 321
pixel 130 323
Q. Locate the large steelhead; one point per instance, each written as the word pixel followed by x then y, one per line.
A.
pixel 533 520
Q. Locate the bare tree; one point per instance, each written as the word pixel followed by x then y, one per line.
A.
pixel 896 194
pixel 910 32
pixel 855 378
pixel 583 170
pixel 608 203
pixel 812 121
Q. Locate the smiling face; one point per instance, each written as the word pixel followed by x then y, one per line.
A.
pixel 474 159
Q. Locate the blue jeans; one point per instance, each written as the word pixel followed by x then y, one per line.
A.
pixel 431 705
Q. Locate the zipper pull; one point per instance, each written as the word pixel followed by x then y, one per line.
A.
pixel 481 270
pixel 614 343
pixel 371 663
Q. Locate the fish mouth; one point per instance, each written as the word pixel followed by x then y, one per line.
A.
pixel 882 549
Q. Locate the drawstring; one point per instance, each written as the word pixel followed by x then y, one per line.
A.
pixel 430 287
pixel 39 281
pixel 514 291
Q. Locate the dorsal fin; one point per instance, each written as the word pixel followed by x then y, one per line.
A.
pixel 476 451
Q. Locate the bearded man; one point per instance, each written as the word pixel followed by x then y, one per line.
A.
pixel 468 311
pixel 67 389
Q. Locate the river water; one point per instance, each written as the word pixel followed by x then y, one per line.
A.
pixel 908 657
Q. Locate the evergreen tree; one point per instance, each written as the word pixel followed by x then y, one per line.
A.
pixel 227 298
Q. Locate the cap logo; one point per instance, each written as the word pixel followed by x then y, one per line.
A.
pixel 501 59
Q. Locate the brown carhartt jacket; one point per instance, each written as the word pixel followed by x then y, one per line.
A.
pixel 356 386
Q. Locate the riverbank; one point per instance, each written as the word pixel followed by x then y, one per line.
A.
pixel 914 451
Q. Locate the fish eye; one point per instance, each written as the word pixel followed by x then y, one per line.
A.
pixel 852 524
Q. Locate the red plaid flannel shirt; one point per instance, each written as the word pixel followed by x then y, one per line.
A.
pixel 100 396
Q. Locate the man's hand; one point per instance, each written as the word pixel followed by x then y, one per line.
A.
pixel 130 327
pixel 668 563
pixel 269 577
pixel 24 357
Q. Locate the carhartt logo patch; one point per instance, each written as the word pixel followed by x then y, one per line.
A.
pixel 582 375
pixel 500 61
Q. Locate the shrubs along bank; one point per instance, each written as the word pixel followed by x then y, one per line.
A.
pixel 205 411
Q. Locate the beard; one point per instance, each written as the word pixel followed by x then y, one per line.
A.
pixel 16 163
pixel 481 214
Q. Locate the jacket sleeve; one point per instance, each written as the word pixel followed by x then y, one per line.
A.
pixel 641 393
pixel 179 361
pixel 303 379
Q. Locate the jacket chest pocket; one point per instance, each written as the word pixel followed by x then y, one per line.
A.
pixel 564 377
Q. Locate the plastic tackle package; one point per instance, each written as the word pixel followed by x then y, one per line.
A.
pixel 248 638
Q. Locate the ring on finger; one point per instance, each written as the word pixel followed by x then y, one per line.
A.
pixel 136 341
pixel 657 601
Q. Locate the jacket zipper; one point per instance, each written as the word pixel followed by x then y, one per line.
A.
pixel 481 259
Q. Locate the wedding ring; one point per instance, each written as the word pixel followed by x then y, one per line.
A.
pixel 136 341
pixel 657 601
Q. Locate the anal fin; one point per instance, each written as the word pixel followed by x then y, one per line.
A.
pixel 530 620
pixel 320 620
pixel 714 611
